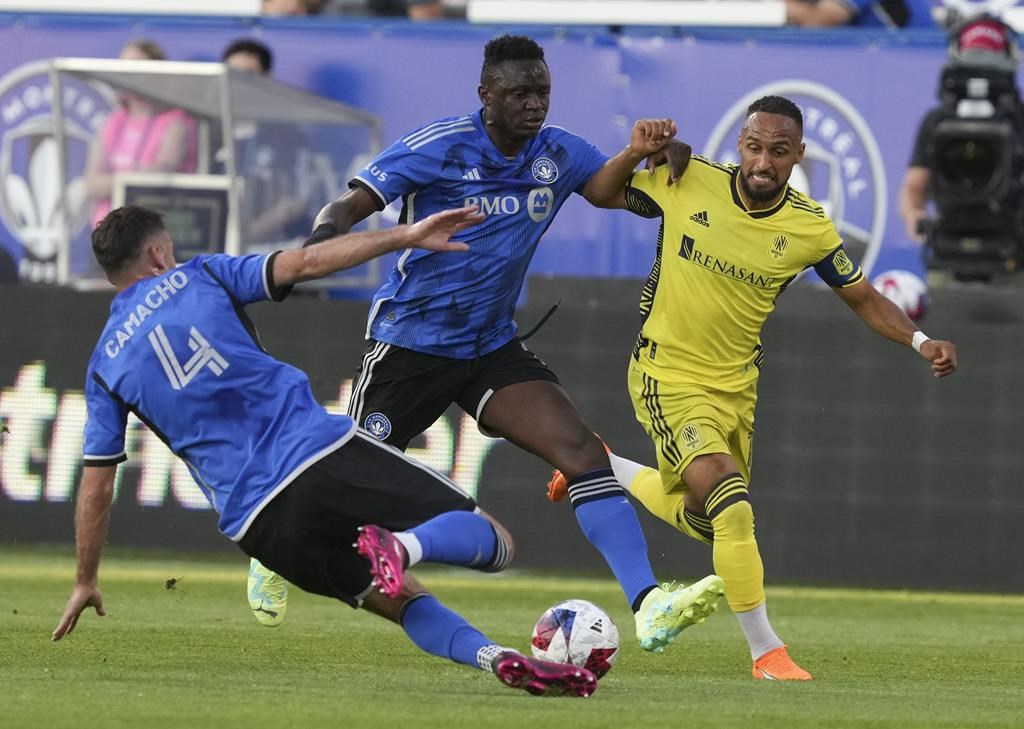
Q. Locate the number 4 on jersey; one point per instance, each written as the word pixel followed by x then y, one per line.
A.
pixel 181 374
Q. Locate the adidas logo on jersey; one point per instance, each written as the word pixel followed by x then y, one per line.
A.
pixel 701 218
pixel 473 174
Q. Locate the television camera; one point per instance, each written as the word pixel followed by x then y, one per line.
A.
pixel 977 151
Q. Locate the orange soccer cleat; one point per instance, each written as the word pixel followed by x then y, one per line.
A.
pixel 776 665
pixel 558 486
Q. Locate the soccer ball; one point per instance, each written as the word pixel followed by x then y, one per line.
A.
pixel 577 632
pixel 905 289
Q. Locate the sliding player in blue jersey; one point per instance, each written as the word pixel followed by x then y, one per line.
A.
pixel 441 328
pixel 295 487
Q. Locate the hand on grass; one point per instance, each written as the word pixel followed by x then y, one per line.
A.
pixel 83 596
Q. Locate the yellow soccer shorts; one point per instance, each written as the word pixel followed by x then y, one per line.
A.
pixel 686 421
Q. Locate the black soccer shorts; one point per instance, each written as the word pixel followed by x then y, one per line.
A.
pixel 399 393
pixel 306 532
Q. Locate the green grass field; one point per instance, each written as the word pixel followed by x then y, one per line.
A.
pixel 194 657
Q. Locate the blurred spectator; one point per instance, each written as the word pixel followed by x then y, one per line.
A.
pixel 892 14
pixel 271 160
pixel 139 135
pixel 285 7
pixel 413 9
pixel 249 56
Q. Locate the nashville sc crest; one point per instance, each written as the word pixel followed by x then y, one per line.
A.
pixel 30 198
pixel 842 168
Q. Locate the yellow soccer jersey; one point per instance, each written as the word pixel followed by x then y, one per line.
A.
pixel 718 270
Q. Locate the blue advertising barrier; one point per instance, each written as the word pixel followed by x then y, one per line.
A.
pixel 863 95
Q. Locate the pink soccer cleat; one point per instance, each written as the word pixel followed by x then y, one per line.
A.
pixel 386 555
pixel 543 678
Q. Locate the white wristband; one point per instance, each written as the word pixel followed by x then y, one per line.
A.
pixel 919 339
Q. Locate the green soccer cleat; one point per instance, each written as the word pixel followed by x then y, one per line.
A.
pixel 665 613
pixel 268 594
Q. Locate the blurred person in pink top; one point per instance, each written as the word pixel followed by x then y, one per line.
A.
pixel 139 135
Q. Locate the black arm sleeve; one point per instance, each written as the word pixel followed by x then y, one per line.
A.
pixel 324 231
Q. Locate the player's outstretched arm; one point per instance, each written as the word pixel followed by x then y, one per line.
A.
pixel 345 251
pixel 92 519
pixel 606 188
pixel 891 322
pixel 353 207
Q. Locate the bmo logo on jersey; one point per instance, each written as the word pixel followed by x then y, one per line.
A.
pixel 495 204
pixel 539 203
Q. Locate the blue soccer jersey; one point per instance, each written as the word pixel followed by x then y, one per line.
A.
pixel 178 352
pixel 460 305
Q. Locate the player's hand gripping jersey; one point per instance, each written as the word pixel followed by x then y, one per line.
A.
pixel 460 305
pixel 719 269
pixel 179 353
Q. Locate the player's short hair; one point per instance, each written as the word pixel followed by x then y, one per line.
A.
pixel 118 239
pixel 778 105
pixel 253 48
pixel 509 48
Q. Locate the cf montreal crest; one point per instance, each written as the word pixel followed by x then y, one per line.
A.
pixel 544 170
pixel 842 167
pixel 30 195
pixel 377 425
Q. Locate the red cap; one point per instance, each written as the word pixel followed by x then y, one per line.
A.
pixel 984 35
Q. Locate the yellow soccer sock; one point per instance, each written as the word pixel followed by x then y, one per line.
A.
pixel 648 488
pixel 735 554
pixel 697 526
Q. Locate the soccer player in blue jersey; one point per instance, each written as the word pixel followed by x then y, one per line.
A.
pixel 294 485
pixel 441 328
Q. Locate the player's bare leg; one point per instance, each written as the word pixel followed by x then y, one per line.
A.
pixel 540 418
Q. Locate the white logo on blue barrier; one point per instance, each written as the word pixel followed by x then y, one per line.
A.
pixel 842 168
pixel 30 194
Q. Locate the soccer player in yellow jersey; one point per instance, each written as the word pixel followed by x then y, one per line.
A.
pixel 732 238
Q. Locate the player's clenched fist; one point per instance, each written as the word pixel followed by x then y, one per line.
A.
pixel 651 135
pixel 941 354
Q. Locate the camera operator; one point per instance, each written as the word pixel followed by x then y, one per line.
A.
pixel 968 144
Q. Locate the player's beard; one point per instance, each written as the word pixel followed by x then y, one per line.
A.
pixel 760 195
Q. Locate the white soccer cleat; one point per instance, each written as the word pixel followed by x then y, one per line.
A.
pixel 268 594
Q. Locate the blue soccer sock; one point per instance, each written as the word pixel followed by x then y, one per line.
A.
pixel 611 525
pixel 442 632
pixel 455 537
